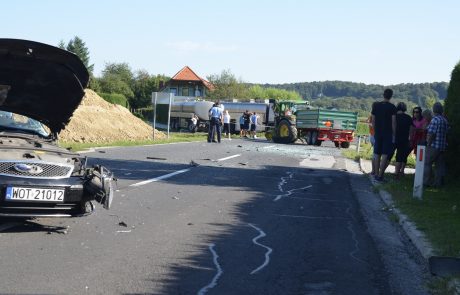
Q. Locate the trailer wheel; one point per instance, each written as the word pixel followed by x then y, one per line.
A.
pixel 318 142
pixel 337 144
pixel 345 144
pixel 285 132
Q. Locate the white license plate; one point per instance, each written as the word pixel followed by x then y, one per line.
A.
pixel 34 194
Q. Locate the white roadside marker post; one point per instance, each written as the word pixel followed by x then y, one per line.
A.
pixel 419 170
pixel 358 147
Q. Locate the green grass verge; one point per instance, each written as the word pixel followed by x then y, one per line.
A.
pixel 174 137
pixel 437 214
pixel 366 152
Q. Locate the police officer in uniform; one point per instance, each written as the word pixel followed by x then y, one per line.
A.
pixel 216 121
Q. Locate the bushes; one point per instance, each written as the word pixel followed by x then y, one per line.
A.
pixel 452 111
pixel 115 98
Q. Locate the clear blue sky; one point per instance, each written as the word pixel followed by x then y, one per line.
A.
pixel 384 42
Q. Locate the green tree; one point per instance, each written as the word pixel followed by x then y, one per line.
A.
pixel 78 47
pixel 227 87
pixel 452 111
pixel 117 78
pixel 143 85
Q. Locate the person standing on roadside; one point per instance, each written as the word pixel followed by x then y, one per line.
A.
pixel 247 118
pixel 419 131
pixel 384 124
pixel 404 128
pixel 254 118
pixel 227 124
pixel 242 125
pixel 216 121
pixel 436 145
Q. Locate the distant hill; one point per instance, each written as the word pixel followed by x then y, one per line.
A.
pixel 417 93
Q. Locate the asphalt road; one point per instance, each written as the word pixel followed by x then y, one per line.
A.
pixel 240 217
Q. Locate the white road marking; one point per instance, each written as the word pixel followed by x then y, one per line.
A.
pixel 227 158
pixel 218 274
pixel 283 181
pixel 288 193
pixel 160 177
pixel 309 217
pixel 269 250
pixel 8 225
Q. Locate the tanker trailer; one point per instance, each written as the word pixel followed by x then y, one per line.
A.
pixel 182 113
pixel 236 110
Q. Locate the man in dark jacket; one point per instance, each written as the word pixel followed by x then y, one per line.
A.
pixel 384 124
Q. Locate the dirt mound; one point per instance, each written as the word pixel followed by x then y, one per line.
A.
pixel 97 120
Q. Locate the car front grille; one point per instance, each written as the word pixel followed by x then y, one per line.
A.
pixel 42 170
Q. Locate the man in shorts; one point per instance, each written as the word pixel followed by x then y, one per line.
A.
pixel 384 124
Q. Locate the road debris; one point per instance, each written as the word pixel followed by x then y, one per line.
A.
pixel 156 158
pixel 193 163
pixel 175 198
pixel 102 152
pixel 239 145
pixel 243 163
pixel 122 223
pixel 123 231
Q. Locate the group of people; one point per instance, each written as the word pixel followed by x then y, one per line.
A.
pixel 217 116
pixel 393 130
pixel 248 124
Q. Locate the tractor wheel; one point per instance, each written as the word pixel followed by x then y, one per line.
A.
pixel 285 132
pixel 269 135
pixel 345 144
pixel 337 144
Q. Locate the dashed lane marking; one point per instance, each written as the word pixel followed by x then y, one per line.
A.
pixel 160 177
pixel 228 158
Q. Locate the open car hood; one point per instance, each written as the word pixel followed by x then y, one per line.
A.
pixel 40 81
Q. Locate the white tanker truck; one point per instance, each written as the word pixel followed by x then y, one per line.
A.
pixel 182 112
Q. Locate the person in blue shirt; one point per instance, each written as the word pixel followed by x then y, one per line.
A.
pixel 242 125
pixel 215 122
pixel 436 145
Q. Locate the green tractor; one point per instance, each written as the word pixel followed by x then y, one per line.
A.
pixel 284 129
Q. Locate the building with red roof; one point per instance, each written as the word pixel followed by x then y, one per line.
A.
pixel 187 83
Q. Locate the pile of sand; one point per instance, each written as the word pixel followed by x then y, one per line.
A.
pixel 97 120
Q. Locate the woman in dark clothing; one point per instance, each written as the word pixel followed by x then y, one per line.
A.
pixel 404 126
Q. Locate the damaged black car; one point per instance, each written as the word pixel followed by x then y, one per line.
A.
pixel 40 88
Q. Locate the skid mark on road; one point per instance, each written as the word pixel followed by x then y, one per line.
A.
pixel 353 234
pixel 8 225
pixel 290 192
pixel 310 217
pixel 284 181
pixel 269 250
pixel 218 274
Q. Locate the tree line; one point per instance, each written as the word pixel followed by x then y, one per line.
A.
pixel 120 84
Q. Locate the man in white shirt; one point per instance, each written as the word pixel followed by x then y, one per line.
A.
pixel 227 124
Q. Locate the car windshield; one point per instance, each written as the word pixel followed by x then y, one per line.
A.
pixel 20 123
